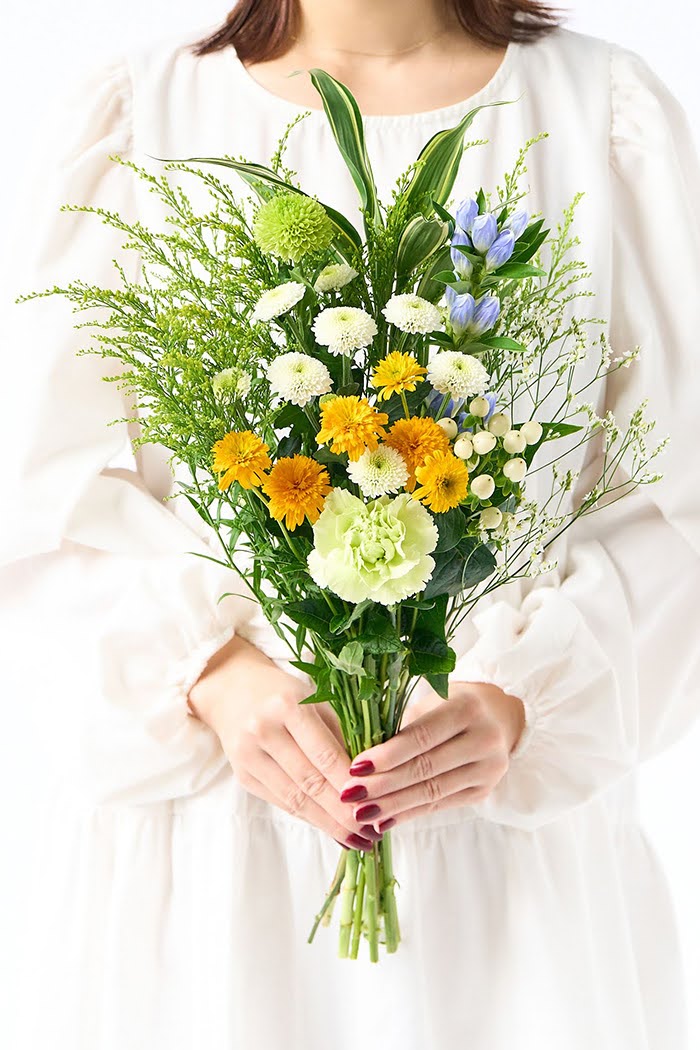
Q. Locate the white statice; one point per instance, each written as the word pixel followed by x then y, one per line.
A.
pixel 344 329
pixel 379 472
pixel 412 313
pixel 459 375
pixel 298 378
pixel 277 301
pixel 334 277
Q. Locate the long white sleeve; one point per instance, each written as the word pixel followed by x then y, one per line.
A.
pixel 106 617
pixel 603 651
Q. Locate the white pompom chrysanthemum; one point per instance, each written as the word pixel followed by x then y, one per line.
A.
pixel 334 276
pixel 459 375
pixel 344 329
pixel 277 301
pixel 298 378
pixel 379 472
pixel 412 313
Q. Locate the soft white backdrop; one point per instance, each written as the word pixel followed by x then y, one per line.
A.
pixel 47 46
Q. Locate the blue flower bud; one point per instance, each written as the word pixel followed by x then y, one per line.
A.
pixel 491 398
pixel 517 222
pixel 461 263
pixel 485 314
pixel 462 312
pixel 434 404
pixel 460 421
pixel 484 232
pixel 466 213
pixel 501 250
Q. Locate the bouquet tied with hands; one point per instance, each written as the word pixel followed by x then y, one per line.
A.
pixel 359 414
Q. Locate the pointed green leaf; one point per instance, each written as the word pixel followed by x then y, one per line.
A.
pixel 420 239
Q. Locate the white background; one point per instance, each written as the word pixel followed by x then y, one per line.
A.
pixel 48 45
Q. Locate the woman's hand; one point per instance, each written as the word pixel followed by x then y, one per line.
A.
pixel 450 753
pixel 289 755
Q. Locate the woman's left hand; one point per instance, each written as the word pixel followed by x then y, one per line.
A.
pixel 448 753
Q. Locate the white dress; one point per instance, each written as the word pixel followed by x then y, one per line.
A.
pixel 168 908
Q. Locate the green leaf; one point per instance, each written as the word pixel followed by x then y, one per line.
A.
pixel 430 655
pixel 379 634
pixel 432 619
pixel 465 566
pixel 346 125
pixel 312 613
pixel 503 342
pixel 350 660
pixel 437 165
pixel 307 668
pixel 427 287
pixel 557 430
pixel 440 683
pixel 341 621
pixel 321 696
pixel 420 239
pixel 519 271
pixel 266 182
pixel 451 526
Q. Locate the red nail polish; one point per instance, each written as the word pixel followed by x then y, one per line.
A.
pixel 355 793
pixel 362 768
pixel 357 842
pixel 369 832
pixel 365 813
pixel 386 824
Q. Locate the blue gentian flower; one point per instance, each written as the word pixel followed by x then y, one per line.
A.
pixel 486 313
pixel 462 309
pixel 501 250
pixel 461 263
pixel 466 213
pixel 484 232
pixel 517 222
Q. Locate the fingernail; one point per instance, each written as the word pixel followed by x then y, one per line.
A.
pixel 342 844
pixel 386 824
pixel 371 833
pixel 362 768
pixel 355 793
pixel 367 813
pixel 357 842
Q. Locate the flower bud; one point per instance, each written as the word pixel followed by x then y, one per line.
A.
pixel 479 406
pixel 462 312
pixel 499 424
pixel 466 213
pixel 486 313
pixel 490 518
pixel 531 431
pixel 514 442
pixel 325 399
pixel 448 426
pixel 484 442
pixel 517 222
pixel 515 469
pixel 483 486
pixel 501 250
pixel 484 232
pixel 463 448
pixel 460 262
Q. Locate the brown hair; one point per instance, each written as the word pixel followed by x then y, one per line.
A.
pixel 263 29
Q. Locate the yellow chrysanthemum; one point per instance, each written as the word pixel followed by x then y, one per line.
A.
pixel 443 479
pixel 352 424
pixel 396 374
pixel 416 439
pixel 240 456
pixel 296 487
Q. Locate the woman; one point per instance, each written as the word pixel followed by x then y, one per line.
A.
pixel 190 837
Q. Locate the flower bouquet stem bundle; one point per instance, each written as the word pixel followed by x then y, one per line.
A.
pixel 374 425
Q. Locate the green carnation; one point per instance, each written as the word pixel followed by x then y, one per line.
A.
pixel 291 225
pixel 378 551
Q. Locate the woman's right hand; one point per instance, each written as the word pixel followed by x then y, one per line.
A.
pixel 288 754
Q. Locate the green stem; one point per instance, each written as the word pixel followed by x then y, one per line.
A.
pixel 332 894
pixel 372 903
pixel 347 901
pixel 357 920
pixel 392 930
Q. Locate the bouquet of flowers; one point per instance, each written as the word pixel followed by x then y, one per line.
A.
pixel 359 414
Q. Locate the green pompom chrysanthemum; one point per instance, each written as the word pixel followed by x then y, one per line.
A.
pixel 291 225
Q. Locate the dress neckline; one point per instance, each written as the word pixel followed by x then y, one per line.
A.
pixel 379 120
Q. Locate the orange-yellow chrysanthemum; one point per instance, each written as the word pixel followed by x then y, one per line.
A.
pixel 240 456
pixel 416 439
pixel 296 487
pixel 352 424
pixel 396 374
pixel 443 479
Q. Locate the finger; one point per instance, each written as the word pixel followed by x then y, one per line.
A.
pixel 284 749
pixel 468 797
pixel 458 751
pixel 319 744
pixel 328 715
pixel 429 792
pixel 421 736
